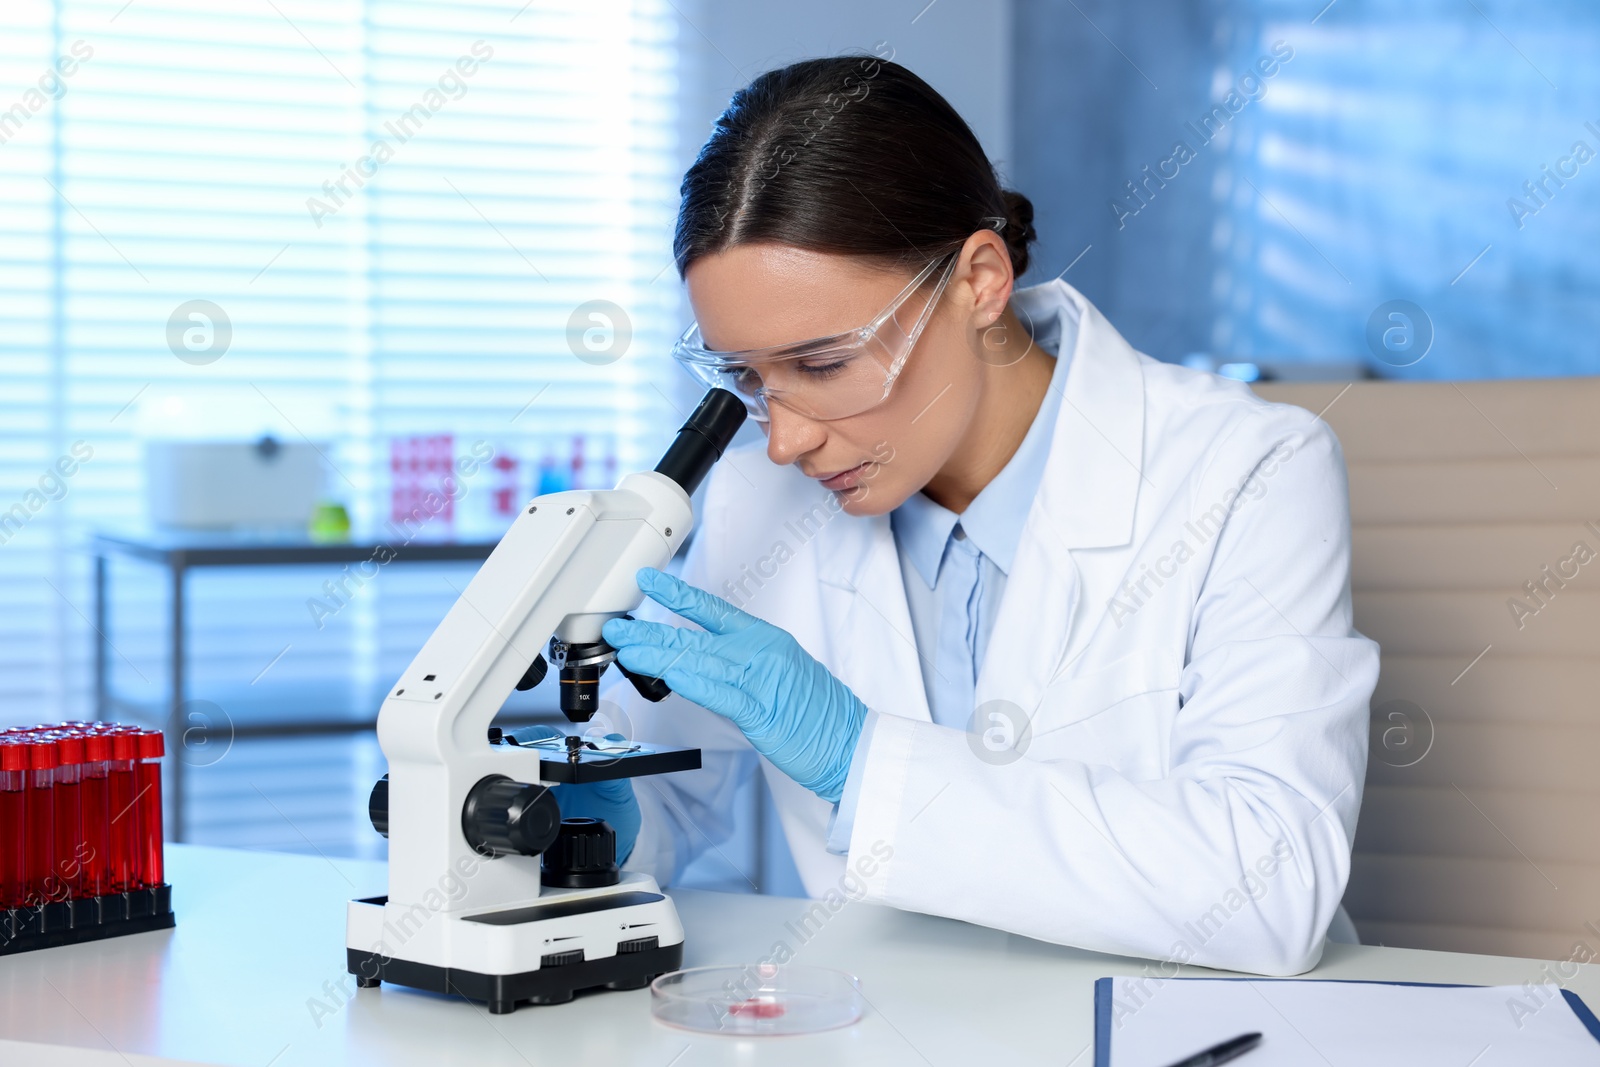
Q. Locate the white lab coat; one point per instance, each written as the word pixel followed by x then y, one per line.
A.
pixel 1198 718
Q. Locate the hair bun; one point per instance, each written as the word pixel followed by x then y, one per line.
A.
pixel 1018 231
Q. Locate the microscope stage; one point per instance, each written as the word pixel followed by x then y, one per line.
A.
pixel 603 762
pixel 605 766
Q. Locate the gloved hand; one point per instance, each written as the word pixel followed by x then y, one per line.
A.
pixel 612 801
pixel 793 710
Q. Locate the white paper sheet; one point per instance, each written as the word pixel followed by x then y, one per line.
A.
pixel 1348 1024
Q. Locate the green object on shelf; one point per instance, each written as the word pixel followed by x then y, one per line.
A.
pixel 329 522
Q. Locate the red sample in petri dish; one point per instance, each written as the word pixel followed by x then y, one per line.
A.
pixel 757 1008
pixel 757 999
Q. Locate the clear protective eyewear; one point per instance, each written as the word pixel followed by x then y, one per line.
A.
pixel 824 378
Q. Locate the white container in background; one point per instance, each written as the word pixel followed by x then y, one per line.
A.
pixel 224 485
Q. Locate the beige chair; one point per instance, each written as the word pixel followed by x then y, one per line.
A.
pixel 1476 567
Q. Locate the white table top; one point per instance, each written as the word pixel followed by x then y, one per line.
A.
pixel 259 934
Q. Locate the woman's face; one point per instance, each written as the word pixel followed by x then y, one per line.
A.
pixel 759 295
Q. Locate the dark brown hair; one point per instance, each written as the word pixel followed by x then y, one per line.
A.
pixel 852 155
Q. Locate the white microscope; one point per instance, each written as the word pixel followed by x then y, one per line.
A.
pixel 471 910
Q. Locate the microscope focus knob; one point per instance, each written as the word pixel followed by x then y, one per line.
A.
pixel 583 857
pixel 378 806
pixel 503 817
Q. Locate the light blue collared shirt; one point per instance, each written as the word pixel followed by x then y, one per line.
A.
pixel 954 567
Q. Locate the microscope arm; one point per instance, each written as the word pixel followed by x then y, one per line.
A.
pixel 566 565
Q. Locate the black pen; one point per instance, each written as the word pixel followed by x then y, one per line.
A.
pixel 1222 1053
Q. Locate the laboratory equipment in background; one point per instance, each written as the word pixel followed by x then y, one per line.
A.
pixel 472 909
pixel 418 491
pixel 575 461
pixel 266 484
pixel 81 843
pixel 506 491
pixel 527 467
pixel 330 523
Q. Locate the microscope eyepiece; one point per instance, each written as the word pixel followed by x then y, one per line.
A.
pixel 702 440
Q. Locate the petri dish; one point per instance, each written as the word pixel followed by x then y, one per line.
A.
pixel 756 999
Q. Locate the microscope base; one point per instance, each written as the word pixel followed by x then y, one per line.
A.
pixel 540 951
pixel 502 992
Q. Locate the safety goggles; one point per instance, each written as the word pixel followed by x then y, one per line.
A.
pixel 824 378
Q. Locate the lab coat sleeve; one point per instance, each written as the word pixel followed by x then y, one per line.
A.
pixel 1236 858
pixel 684 813
pixel 844 813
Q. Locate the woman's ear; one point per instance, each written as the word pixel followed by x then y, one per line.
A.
pixel 989 276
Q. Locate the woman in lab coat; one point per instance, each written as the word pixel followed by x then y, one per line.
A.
pixel 1025 627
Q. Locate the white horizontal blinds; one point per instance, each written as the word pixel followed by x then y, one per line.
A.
pixel 186 158
pixel 31 430
pixel 290 795
pixel 196 151
pixel 1378 165
pixel 541 180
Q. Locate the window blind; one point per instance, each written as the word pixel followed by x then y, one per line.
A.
pixel 342 222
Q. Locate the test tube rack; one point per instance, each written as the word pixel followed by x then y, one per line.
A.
pixel 81 853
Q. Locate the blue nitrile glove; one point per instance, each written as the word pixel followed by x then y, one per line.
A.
pixel 612 801
pixel 793 710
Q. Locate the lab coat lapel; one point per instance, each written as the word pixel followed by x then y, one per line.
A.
pixel 1085 501
pixel 866 618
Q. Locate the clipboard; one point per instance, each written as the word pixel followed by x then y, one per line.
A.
pixel 1105 994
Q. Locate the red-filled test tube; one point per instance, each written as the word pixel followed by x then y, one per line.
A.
pixel 13 821
pixel 152 746
pixel 123 811
pixel 96 815
pixel 67 878
pixel 40 818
